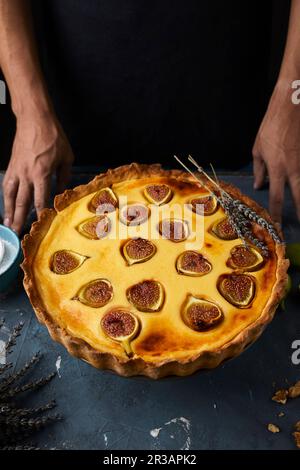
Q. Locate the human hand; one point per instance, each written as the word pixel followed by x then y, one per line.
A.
pixel 40 148
pixel 276 150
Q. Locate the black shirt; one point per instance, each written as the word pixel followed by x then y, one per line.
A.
pixel 137 80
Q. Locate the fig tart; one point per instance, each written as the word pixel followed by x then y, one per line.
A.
pixel 142 271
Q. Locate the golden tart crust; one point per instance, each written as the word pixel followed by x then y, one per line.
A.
pixel 165 344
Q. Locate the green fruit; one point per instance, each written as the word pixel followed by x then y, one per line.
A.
pixel 293 253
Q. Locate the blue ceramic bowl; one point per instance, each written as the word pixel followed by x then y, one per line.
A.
pixel 9 276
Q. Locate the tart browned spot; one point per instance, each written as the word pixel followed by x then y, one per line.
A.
pixel 134 214
pixel 96 293
pixel 104 201
pixel 175 230
pixel 138 250
pixel 158 193
pixel 95 228
pixel 204 205
pixel 245 258
pixel 192 263
pixel 146 296
pixel 66 261
pixel 224 229
pixel 238 289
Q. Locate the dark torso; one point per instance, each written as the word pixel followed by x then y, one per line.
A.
pixel 140 80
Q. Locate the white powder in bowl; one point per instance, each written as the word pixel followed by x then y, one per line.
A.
pixel 9 255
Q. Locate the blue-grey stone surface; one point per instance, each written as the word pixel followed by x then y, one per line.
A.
pixel 226 408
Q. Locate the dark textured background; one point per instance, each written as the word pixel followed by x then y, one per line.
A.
pixel 131 82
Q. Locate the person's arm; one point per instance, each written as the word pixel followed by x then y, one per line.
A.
pixel 40 146
pixel 277 145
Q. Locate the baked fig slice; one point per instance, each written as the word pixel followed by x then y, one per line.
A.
pixel 200 314
pixel 122 326
pixel 237 289
pixel 245 258
pixel 134 214
pixel 146 296
pixel 176 230
pixel 104 201
pixel 138 250
pixel 158 194
pixel 95 228
pixel 66 261
pixel 204 205
pixel 223 229
pixel 96 293
pixel 192 263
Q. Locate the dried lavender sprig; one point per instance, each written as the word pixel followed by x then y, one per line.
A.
pixel 32 423
pixel 242 225
pixel 16 423
pixel 215 183
pixel 15 433
pixel 14 428
pixel 20 448
pixel 11 410
pixel 29 386
pixel 242 229
pixel 237 229
pixel 244 212
pixel 12 340
pixel 199 181
pixel 241 222
pixel 258 243
pixel 224 201
pixel 208 189
pixel 243 208
pixel 5 367
pixel 254 217
pixel 21 372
